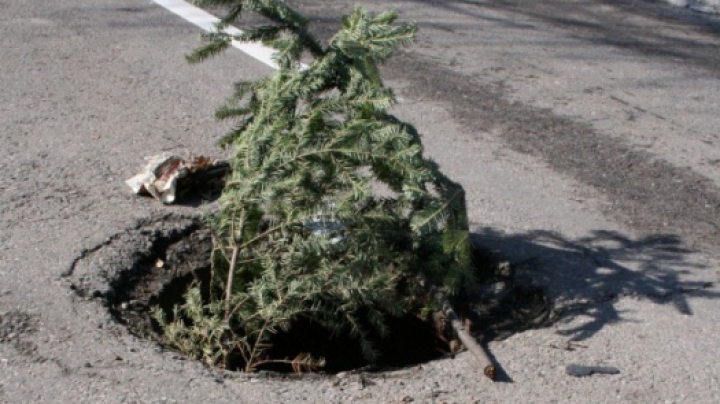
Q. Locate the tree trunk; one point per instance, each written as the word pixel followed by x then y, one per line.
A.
pixel 462 333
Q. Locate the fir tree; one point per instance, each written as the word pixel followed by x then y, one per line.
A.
pixel 302 230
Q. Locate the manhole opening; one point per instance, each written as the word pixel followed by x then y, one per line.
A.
pixel 162 274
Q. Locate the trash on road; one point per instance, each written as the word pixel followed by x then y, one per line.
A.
pixel 167 175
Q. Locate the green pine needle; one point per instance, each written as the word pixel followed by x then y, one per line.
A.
pixel 314 237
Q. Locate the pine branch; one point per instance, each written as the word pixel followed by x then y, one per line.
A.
pixel 309 236
pixel 218 42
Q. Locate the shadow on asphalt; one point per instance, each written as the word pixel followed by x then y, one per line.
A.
pixel 585 276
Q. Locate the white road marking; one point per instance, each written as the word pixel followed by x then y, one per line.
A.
pixel 207 22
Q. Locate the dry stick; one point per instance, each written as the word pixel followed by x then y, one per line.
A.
pixel 468 340
pixel 231 276
pixel 233 264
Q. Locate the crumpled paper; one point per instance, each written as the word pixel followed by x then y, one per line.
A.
pixel 160 176
pixel 168 177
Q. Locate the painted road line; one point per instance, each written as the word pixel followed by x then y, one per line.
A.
pixel 207 21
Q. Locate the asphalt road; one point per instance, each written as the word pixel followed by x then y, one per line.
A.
pixel 585 134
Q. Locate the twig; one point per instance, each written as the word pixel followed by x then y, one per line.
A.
pixel 468 340
pixel 257 346
pixel 231 276
pixel 233 263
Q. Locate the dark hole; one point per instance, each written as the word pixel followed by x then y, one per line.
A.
pixel 411 341
pixel 137 291
pixel 162 275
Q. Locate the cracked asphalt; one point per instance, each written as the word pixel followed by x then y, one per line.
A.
pixel 584 132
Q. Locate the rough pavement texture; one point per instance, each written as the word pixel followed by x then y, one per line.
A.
pixel 585 133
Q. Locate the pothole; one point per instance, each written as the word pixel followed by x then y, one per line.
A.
pixel 154 263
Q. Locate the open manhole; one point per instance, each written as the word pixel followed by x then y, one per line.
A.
pixel 154 263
